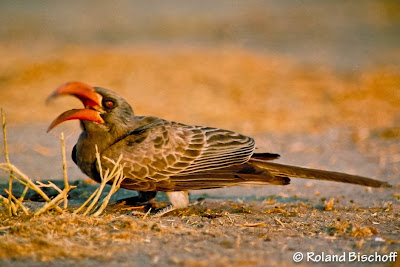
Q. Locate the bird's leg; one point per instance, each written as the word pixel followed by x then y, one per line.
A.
pixel 141 199
pixel 178 199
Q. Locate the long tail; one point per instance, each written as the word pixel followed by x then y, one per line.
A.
pixel 299 172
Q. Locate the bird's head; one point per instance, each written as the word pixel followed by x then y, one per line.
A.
pixel 103 109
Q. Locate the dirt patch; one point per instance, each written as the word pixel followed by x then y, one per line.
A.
pixel 219 233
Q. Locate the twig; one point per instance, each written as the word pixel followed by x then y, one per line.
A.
pixel 4 200
pixel 51 203
pixel 116 174
pixel 25 180
pixel 114 188
pixel 96 198
pixel 147 214
pixel 49 185
pixel 19 203
pixel 58 199
pixel 16 174
pixel 10 180
pixel 63 194
pixel 65 174
pixel 102 184
pixel 98 162
pixel 280 222
pixel 86 202
pixel 9 203
pixel 21 198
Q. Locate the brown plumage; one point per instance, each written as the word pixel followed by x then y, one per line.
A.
pixel 160 155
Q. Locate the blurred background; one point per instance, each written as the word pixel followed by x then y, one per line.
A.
pixel 278 67
pixel 268 65
pixel 342 33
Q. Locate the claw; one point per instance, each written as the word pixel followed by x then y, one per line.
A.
pixel 164 211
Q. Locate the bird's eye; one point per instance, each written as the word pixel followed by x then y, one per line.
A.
pixel 108 103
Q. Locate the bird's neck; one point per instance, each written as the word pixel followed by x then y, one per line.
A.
pixel 102 137
pixel 95 137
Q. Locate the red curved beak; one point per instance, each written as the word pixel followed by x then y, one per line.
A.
pixel 87 94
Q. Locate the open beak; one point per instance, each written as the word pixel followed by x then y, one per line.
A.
pixel 87 94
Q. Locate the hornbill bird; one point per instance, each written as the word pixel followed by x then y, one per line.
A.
pixel 161 155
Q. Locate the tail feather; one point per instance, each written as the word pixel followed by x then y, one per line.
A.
pixel 299 172
pixel 265 156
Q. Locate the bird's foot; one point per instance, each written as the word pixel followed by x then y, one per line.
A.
pixel 134 203
pixel 163 211
pixel 141 200
pixel 156 213
pixel 178 199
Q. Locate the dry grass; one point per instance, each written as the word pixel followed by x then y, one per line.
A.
pixel 12 204
pixel 54 236
pixel 44 236
pixel 114 176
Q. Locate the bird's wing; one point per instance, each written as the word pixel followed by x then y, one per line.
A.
pixel 156 153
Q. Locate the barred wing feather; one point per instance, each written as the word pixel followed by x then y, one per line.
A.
pixel 156 154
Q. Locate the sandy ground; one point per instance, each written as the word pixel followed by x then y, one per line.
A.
pixel 320 88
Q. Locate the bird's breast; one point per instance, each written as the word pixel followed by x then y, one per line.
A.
pixel 86 157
